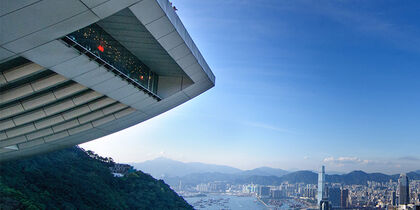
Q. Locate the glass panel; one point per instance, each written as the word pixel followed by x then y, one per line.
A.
pixel 99 42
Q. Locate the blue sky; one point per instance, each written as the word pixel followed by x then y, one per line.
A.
pixel 298 84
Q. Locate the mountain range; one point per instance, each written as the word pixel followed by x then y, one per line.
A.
pixel 195 173
pixel 165 167
pixel 307 177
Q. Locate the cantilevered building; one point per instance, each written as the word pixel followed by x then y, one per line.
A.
pixel 75 70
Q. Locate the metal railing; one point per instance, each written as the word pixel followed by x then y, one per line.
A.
pixel 71 42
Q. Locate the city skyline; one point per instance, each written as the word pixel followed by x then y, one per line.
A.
pixel 299 85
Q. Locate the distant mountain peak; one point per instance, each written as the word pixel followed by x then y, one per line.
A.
pixel 358 172
pixel 161 158
pixel 167 167
pixel 265 171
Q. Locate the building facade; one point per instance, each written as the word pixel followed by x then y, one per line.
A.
pixel 344 200
pixel 334 196
pixel 76 70
pixel 321 186
pixel 403 188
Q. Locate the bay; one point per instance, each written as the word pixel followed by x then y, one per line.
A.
pixel 223 201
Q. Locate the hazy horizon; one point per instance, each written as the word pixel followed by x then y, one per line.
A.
pixel 288 170
pixel 298 85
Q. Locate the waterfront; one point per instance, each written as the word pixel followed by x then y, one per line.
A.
pixel 215 201
pixel 224 201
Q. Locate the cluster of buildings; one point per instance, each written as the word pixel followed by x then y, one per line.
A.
pixel 401 194
pixel 391 195
pixel 215 187
pixel 119 170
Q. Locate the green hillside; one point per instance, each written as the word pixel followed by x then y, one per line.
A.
pixel 74 179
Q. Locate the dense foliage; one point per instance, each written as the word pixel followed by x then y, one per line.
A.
pixel 75 179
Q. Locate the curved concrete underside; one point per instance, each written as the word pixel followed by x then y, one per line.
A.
pixel 52 96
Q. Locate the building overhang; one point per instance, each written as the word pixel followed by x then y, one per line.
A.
pixel 32 31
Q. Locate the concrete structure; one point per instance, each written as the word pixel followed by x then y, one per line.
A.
pixel 58 91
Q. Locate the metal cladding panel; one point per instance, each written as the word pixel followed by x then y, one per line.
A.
pixel 149 11
pixel 93 77
pixel 10 6
pixel 160 27
pixel 50 54
pixel 109 85
pixel 37 16
pixel 110 7
pixel 122 92
pixel 171 40
pixel 75 67
pixel 93 3
pixel 4 53
pixel 52 32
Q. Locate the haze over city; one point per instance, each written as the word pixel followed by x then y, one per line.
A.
pixel 299 85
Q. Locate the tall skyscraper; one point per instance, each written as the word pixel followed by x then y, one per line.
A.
pixel 321 185
pixel 403 188
pixel 344 198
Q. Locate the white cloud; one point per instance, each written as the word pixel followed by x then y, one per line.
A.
pixel 341 161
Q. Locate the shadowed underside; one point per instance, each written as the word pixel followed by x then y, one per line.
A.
pixel 57 91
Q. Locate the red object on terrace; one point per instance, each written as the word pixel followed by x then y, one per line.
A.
pixel 100 48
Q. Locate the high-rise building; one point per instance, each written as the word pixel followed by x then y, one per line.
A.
pixel 264 191
pixel 325 205
pixel 276 194
pixel 310 192
pixel 321 185
pixel 393 198
pixel 344 198
pixel 73 71
pixel 334 196
pixel 403 187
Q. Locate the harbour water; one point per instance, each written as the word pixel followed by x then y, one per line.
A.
pixel 232 202
pixel 227 202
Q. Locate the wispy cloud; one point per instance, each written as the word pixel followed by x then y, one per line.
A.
pixel 409 158
pixel 268 127
pixel 400 35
